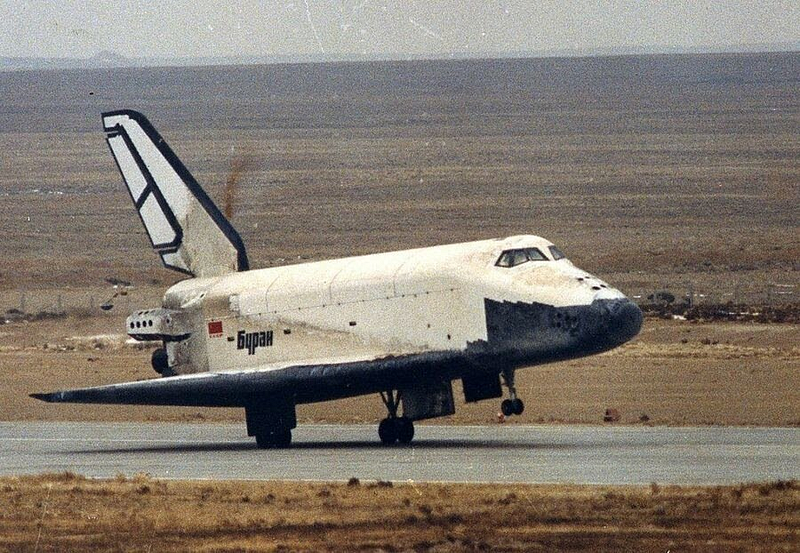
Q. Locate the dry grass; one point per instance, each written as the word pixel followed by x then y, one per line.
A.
pixel 66 512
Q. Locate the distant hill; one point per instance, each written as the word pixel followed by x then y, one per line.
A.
pixel 107 59
pixel 101 60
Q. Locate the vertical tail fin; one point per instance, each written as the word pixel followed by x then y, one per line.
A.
pixel 185 227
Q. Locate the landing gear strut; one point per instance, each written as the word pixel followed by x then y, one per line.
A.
pixel 513 405
pixel 393 428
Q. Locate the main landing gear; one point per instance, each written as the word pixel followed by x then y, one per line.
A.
pixel 393 428
pixel 275 439
pixel 513 405
pixel 271 421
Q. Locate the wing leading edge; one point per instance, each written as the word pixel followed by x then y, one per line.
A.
pixel 305 383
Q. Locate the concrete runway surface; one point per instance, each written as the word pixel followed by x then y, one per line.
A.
pixel 507 453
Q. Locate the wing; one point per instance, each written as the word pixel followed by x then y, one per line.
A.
pixel 305 383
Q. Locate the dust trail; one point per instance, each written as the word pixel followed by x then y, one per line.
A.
pixel 239 166
pixel 313 28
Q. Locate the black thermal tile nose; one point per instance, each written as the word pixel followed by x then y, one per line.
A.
pixel 624 320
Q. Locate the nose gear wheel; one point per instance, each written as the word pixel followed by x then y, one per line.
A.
pixel 513 405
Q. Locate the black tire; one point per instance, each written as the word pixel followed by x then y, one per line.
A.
pixel 507 407
pixel 518 406
pixel 282 438
pixel 405 430
pixel 160 361
pixel 263 441
pixel 387 431
pixel 277 439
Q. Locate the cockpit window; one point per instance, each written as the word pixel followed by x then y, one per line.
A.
pixel 506 259
pixel 512 258
pixel 556 253
pixel 535 254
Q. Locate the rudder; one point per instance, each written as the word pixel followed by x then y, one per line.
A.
pixel 184 226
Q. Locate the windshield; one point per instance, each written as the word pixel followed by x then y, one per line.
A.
pixel 512 258
pixel 556 253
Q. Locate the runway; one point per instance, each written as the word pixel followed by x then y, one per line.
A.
pixel 501 453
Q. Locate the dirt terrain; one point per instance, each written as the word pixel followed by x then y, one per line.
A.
pixel 65 512
pixel 675 372
pixel 654 171
pixel 674 173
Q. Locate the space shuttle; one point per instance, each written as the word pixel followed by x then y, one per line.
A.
pixel 403 325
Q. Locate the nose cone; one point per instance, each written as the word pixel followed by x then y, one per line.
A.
pixel 626 321
pixel 619 321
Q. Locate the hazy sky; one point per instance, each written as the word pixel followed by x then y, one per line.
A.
pixel 71 28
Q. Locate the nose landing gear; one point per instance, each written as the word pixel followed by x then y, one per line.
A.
pixel 393 428
pixel 513 405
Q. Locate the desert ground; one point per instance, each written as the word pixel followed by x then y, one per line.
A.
pixel 675 173
pixel 65 512
pixel 654 172
pixel 671 173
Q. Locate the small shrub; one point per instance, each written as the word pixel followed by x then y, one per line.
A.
pixel 777 486
pixel 66 476
pixel 423 546
pixel 508 499
pixel 655 489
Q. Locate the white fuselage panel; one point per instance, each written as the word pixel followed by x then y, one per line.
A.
pixel 429 299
